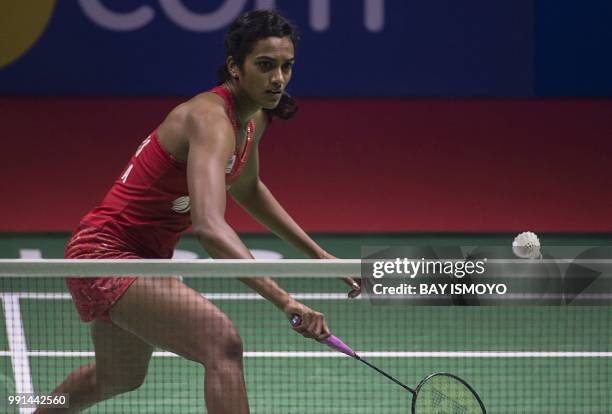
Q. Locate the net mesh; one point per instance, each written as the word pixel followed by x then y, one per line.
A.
pixel 520 359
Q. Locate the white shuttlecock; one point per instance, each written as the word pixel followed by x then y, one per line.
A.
pixel 526 246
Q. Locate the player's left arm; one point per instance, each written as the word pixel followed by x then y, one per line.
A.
pixel 252 194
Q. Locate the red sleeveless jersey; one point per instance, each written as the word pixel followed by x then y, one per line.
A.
pixel 148 206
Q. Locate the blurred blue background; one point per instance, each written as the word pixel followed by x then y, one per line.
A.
pixel 442 48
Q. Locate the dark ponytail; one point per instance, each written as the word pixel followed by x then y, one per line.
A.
pixel 286 108
pixel 243 33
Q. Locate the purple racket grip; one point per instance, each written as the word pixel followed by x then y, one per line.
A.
pixel 332 341
pixel 335 343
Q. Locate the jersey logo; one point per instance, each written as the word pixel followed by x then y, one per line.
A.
pixel 182 204
pixel 230 164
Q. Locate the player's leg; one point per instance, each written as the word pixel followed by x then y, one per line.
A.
pixel 120 366
pixel 168 314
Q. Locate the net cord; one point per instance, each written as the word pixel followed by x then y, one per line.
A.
pixel 287 268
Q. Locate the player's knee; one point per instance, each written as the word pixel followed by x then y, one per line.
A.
pixel 225 348
pixel 231 346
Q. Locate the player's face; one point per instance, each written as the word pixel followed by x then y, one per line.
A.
pixel 267 70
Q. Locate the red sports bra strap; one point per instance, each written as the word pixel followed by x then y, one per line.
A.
pixel 241 159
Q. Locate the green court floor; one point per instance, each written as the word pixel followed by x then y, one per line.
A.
pixel 521 359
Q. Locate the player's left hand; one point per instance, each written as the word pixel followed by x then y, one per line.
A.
pixel 353 283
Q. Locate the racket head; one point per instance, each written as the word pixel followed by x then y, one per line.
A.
pixel 442 392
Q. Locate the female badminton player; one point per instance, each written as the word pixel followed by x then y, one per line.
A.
pixel 180 176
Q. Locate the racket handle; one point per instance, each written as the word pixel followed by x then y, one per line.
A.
pixel 331 341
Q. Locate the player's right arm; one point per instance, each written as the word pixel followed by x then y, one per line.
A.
pixel 211 143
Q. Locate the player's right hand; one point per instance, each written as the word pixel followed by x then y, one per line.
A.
pixel 312 323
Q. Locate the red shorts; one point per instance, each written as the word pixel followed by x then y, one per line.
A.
pixel 94 297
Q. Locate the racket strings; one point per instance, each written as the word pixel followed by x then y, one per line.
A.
pixel 439 398
pixel 444 393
